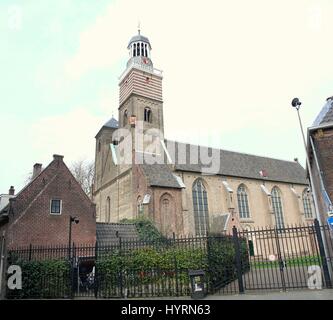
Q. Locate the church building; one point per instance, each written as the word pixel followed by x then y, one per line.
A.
pixel 183 188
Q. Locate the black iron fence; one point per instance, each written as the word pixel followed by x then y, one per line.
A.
pixel 258 259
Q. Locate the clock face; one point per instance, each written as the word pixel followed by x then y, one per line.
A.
pixel 145 61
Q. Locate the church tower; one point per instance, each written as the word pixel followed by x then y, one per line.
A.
pixel 140 88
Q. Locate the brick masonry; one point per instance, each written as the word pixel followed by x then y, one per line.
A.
pixel 30 221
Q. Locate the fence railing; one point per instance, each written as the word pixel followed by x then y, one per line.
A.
pixel 257 259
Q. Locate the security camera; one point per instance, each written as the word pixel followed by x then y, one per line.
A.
pixel 308 190
pixel 295 102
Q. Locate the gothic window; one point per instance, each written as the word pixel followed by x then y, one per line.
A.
pixel 277 207
pixel 200 208
pixel 108 210
pixel 147 115
pixel 306 197
pixel 243 202
pixel 125 118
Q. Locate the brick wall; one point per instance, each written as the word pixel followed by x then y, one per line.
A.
pixel 31 222
pixel 323 141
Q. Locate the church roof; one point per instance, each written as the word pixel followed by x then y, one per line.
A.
pixel 139 37
pixel 160 175
pixel 112 123
pixel 243 165
pixel 109 233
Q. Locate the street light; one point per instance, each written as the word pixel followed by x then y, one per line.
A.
pixel 297 104
pixel 71 220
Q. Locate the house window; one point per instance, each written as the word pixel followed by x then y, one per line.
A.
pixel 243 203
pixel 306 197
pixel 56 206
pixel 277 207
pixel 200 208
pixel 147 115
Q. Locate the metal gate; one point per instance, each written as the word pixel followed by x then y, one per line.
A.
pixel 284 259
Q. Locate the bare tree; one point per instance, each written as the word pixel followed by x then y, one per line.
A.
pixel 83 171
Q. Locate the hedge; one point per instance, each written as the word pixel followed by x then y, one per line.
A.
pixel 43 279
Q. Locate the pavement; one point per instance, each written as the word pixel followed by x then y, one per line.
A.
pixel 325 294
pixel 304 294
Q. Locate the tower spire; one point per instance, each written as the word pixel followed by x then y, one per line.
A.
pixel 139 27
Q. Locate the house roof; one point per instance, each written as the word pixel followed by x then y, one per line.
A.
pixel 325 115
pixel 240 164
pixel 109 233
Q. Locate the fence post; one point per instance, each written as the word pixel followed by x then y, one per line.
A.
pixel 121 272
pixel 238 259
pixel 30 251
pixel 176 265
pixel 322 254
pixel 95 275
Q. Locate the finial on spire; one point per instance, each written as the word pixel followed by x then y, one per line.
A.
pixel 139 27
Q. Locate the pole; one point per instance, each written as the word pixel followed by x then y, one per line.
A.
pixel 315 199
pixel 2 258
pixel 70 237
pixel 313 190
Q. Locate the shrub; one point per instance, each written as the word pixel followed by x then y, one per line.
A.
pixel 43 279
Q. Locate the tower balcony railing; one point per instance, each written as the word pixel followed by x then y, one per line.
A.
pixel 135 64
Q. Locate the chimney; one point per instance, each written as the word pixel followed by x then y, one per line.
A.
pixel 11 191
pixel 37 170
pixel 58 157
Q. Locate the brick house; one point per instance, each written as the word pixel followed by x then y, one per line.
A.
pixel 39 214
pixel 320 151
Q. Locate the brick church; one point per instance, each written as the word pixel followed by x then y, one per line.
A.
pixel 184 188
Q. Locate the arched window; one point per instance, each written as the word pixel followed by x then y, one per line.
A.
pixel 99 146
pixel 138 49
pixel 243 202
pixel 134 49
pixel 108 209
pixel 200 208
pixel 306 197
pixel 277 207
pixel 125 121
pixel 147 115
pixel 146 52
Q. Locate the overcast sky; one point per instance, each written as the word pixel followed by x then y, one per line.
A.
pixel 231 69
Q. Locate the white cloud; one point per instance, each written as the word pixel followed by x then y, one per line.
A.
pixel 71 135
pixel 231 66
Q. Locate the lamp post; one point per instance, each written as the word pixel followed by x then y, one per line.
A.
pixel 71 220
pixel 297 104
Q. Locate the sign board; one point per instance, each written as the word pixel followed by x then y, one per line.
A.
pixel 330 222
